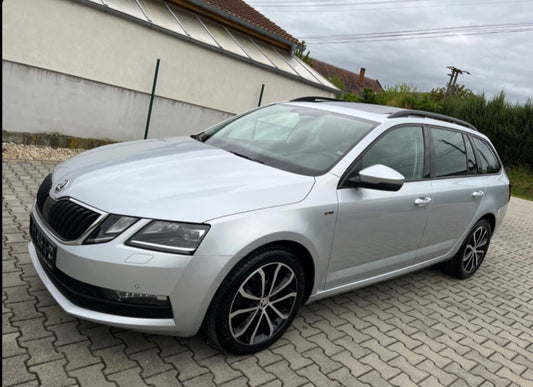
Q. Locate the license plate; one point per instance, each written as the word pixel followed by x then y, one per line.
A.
pixel 46 249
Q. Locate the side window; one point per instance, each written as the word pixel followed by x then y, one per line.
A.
pixel 450 153
pixel 470 157
pixel 401 149
pixel 487 160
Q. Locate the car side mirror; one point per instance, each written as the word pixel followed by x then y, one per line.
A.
pixel 378 177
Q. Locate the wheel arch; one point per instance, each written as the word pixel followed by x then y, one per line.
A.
pixel 285 248
pixel 491 218
pixel 302 254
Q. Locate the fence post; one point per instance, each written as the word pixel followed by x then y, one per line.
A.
pixel 261 95
pixel 151 100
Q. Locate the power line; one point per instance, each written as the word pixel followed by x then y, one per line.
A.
pixel 288 4
pixel 322 4
pixel 360 7
pixel 471 27
pixel 420 34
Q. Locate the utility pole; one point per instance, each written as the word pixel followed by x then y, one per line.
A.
pixel 450 88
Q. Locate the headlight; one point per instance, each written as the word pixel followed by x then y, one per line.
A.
pixel 112 226
pixel 170 237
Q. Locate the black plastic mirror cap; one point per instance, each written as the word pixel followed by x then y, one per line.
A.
pixel 356 182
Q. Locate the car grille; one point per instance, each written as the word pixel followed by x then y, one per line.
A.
pixel 67 219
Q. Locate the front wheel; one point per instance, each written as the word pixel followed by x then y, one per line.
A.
pixel 257 301
pixel 472 253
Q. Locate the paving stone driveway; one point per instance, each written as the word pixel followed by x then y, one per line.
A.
pixel 419 329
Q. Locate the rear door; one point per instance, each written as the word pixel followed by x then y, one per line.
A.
pixel 458 191
pixel 497 184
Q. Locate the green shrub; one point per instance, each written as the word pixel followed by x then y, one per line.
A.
pixel 510 127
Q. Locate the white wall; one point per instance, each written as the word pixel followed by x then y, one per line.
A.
pixel 59 103
pixel 74 39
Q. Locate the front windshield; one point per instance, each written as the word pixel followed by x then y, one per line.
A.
pixel 293 138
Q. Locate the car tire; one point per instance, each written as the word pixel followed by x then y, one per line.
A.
pixel 256 302
pixel 472 252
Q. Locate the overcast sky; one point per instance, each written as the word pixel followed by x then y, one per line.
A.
pixel 499 60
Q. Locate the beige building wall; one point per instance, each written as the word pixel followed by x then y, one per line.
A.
pixel 75 39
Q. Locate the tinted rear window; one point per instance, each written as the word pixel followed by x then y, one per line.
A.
pixel 487 160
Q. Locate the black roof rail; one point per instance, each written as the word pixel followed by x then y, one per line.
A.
pixel 315 99
pixel 436 116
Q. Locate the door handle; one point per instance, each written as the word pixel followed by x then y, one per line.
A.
pixel 421 202
pixel 478 194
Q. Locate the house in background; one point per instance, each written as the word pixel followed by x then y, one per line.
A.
pixel 86 68
pixel 353 83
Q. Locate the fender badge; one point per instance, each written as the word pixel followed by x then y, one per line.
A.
pixel 61 185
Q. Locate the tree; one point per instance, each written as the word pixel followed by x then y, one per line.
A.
pixel 337 81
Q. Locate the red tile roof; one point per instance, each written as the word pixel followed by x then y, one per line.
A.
pixel 349 78
pixel 243 11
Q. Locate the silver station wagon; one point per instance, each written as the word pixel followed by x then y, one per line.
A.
pixel 234 228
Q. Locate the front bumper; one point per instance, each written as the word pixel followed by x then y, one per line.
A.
pixel 155 325
pixel 188 281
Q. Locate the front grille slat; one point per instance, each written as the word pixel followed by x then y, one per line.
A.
pixel 77 222
pixel 66 219
pixel 85 222
pixel 56 213
pixel 70 223
pixel 71 217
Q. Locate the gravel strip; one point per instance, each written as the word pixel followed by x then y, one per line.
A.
pixel 12 151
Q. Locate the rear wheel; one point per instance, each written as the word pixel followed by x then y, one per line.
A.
pixel 472 253
pixel 257 301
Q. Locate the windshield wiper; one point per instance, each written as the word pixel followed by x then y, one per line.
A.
pixel 197 137
pixel 246 157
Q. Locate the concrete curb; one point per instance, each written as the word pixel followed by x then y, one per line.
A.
pixel 53 140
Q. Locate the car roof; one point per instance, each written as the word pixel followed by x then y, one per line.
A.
pixel 378 113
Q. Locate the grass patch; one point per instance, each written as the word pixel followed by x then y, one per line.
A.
pixel 522 182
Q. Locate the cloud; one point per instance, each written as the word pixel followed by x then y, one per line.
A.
pixel 496 62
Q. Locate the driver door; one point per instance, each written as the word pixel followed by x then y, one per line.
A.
pixel 380 231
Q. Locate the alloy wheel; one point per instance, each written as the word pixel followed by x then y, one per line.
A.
pixel 475 249
pixel 263 303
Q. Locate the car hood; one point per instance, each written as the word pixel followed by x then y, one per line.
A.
pixel 175 179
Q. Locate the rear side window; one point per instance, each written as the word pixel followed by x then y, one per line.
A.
pixel 450 153
pixel 401 149
pixel 487 160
